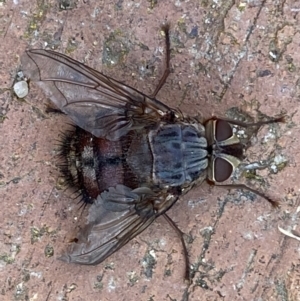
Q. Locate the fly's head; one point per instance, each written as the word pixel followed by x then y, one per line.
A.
pixel 225 148
pixel 226 151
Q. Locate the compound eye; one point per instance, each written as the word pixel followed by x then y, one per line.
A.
pixel 222 170
pixel 223 130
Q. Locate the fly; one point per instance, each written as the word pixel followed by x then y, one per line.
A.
pixel 130 155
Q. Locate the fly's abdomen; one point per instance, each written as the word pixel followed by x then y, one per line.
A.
pixel 179 154
pixel 93 164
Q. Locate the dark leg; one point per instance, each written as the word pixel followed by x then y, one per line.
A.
pixel 166 29
pixel 185 252
pixel 50 109
pixel 274 204
pixel 246 124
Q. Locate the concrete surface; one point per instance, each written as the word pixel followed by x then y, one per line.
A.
pixel 225 54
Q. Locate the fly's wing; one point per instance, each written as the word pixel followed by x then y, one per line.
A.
pixel 117 216
pixel 97 103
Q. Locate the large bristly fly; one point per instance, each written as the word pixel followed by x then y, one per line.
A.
pixel 130 156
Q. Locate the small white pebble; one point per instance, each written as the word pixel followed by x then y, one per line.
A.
pixel 21 88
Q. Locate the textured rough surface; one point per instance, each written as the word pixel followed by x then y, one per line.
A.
pixel 225 54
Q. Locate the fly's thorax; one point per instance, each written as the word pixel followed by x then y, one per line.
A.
pixel 179 154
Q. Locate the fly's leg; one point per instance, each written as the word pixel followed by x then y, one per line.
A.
pixel 185 252
pixel 275 204
pixel 250 124
pixel 166 30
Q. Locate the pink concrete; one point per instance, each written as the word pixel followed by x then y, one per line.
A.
pixel 238 252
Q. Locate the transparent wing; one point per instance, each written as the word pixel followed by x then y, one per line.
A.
pixel 97 103
pixel 117 216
